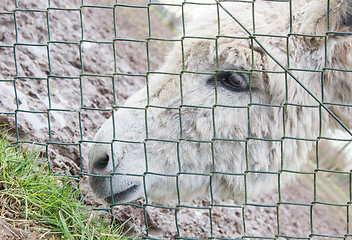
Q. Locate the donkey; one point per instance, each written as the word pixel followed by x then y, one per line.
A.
pixel 239 102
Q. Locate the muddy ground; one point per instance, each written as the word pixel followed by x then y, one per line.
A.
pixel 64 96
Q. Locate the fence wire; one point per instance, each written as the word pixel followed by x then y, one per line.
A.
pixel 50 7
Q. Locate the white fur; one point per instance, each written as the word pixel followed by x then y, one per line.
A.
pixel 196 151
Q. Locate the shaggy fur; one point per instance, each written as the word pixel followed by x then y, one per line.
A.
pixel 264 140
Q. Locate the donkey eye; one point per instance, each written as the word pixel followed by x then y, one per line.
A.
pixel 234 81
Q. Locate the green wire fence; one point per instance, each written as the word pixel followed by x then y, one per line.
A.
pixel 14 47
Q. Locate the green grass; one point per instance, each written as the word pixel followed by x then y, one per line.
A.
pixel 28 193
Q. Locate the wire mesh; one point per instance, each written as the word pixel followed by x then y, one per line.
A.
pixel 80 41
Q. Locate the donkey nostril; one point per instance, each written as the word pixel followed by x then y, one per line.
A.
pixel 101 162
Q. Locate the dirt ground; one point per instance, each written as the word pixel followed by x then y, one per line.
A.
pixel 63 97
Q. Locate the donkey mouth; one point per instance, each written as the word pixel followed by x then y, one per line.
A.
pixel 123 196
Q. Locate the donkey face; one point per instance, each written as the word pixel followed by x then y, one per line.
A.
pixel 228 113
